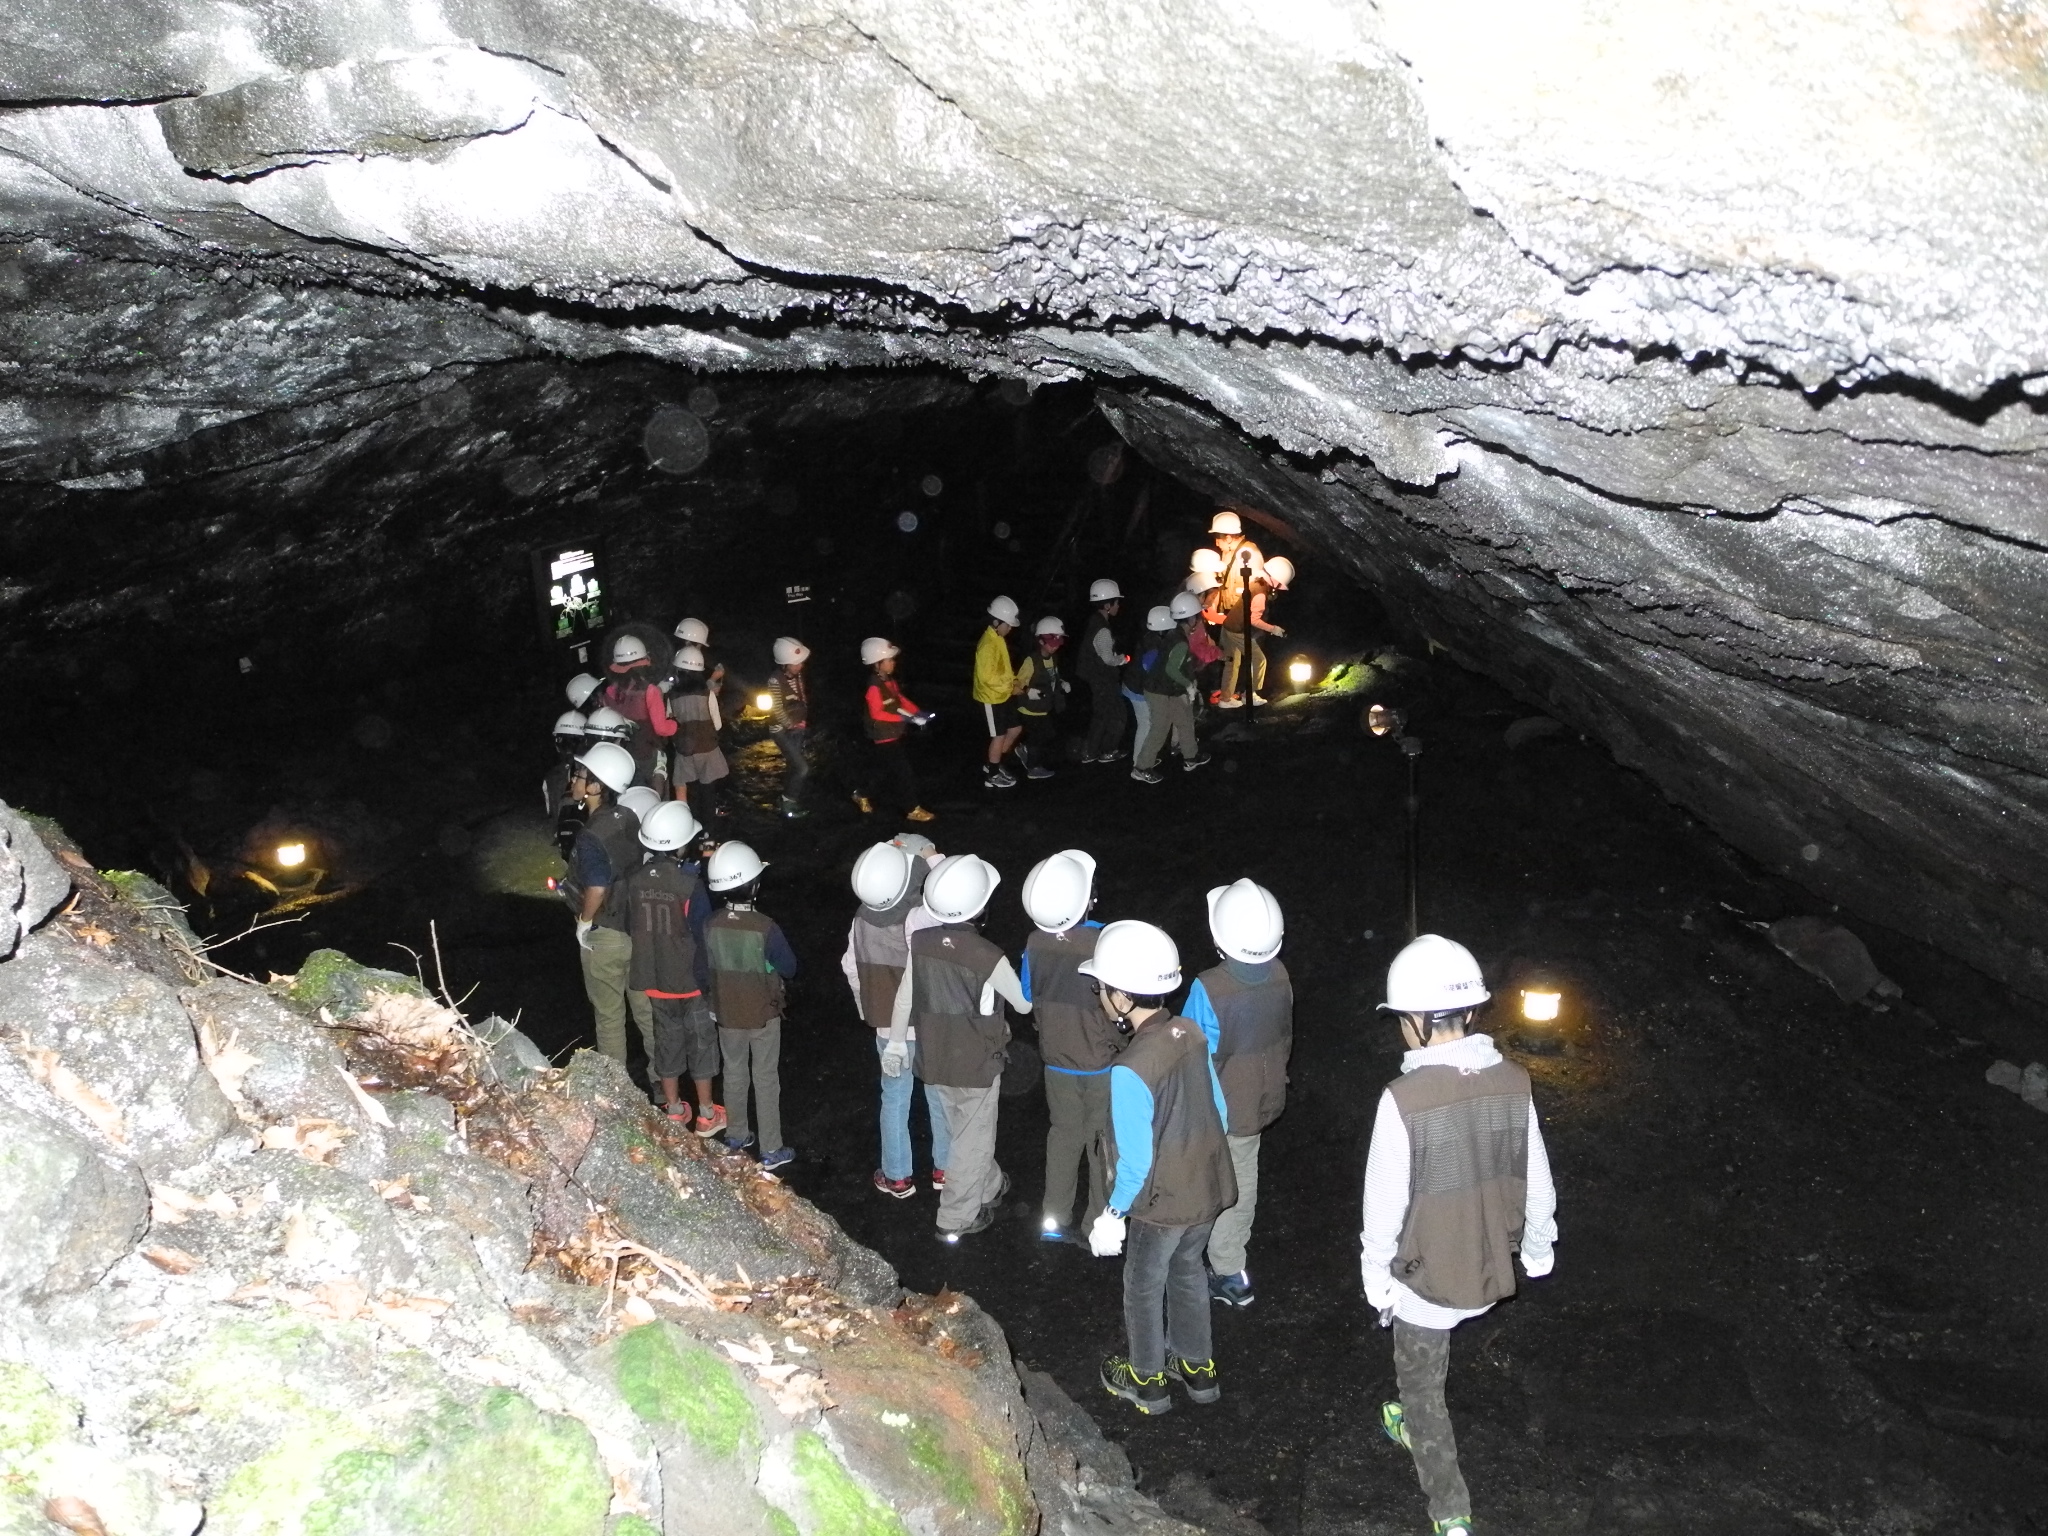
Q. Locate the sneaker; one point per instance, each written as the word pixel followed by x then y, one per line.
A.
pixel 919 813
pixel 1089 757
pixel 1395 1425
pixel 1230 703
pixel 938 1178
pixel 1457 1525
pixel 864 805
pixel 794 812
pixel 896 1189
pixel 1000 779
pixel 712 1123
pixel 1111 757
pixel 1258 698
pixel 1052 1230
pixel 1146 776
pixel 681 1113
pixel 1148 1392
pixel 1198 1378
pixel 1232 1290
pixel 1038 771
pixel 781 1157
pixel 733 1143
pixel 983 1220
pixel 1190 764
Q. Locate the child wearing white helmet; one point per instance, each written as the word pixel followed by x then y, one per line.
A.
pixel 1462 1115
pixel 1041 694
pixel 954 988
pixel 1169 698
pixel 564 812
pixel 669 915
pixel 1246 1008
pixel 631 691
pixel 888 715
pixel 1099 661
pixel 1172 1175
pixel 789 719
pixel 1077 1043
pixel 700 764
pixel 1242 569
pixel 996 687
pixel 889 880
pixel 751 964
pixel 605 853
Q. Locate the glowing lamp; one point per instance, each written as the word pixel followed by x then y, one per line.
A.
pixel 1382 720
pixel 1301 670
pixel 1541 1007
pixel 552 884
pixel 291 855
pixel 764 702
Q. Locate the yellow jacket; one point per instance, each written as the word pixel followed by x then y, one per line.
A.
pixel 994 678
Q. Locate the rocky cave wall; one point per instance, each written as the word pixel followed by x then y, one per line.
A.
pixel 1680 365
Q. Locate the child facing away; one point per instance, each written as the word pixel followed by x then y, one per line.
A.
pixel 751 964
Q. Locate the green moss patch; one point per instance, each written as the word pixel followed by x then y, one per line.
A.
pixel 668 1378
pixel 32 1420
pixel 331 980
pixel 839 1505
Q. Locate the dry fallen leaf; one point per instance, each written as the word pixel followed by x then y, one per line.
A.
pixel 340 1299
pixel 77 1092
pixel 93 934
pixel 173 1261
pixel 636 1311
pixel 228 1060
pixel 314 1139
pixel 377 1113
pixel 75 1515
pixel 412 1318
pixel 172 1206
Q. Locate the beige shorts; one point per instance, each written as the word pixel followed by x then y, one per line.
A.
pixel 698 768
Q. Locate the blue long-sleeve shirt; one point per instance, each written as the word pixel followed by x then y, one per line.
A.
pixel 1200 1011
pixel 1130 1113
pixel 1024 980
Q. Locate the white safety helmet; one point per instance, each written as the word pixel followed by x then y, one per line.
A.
pixel 1136 958
pixel 1160 619
pixel 732 866
pixel 1226 522
pixel 570 723
pixel 639 800
pixel 628 650
pixel 581 687
pixel 689 659
pixel 1004 611
pixel 790 652
pixel 610 764
pixel 959 887
pixel 1245 922
pixel 881 876
pixel 1434 975
pixel 605 724
pixel 1200 582
pixel 1185 605
pixel 875 648
pixel 694 632
pixel 1279 571
pixel 1049 626
pixel 1104 591
pixel 669 826
pixel 1058 889
pixel 1206 562
pixel 915 844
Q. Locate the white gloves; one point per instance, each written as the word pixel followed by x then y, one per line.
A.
pixel 1536 1268
pixel 583 927
pixel 895 1057
pixel 1379 1291
pixel 1106 1237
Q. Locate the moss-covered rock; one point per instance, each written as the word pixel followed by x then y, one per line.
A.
pixel 331 980
pixel 670 1380
pixel 33 1421
pixel 830 1500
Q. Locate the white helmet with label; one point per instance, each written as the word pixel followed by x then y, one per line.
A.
pixel 1104 591
pixel 570 723
pixel 628 650
pixel 875 648
pixel 1049 626
pixel 694 632
pixel 639 800
pixel 791 652
pixel 1185 605
pixel 689 659
pixel 959 887
pixel 1206 562
pixel 580 688
pixel 881 876
pixel 605 724
pixel 732 866
pixel 1200 583
pixel 1004 610
pixel 669 826
pixel 1434 975
pixel 1279 572
pixel 1058 890
pixel 1159 619
pixel 1226 522
pixel 1245 922
pixel 610 764
pixel 1136 958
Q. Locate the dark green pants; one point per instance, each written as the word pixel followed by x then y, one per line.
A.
pixel 1422 1357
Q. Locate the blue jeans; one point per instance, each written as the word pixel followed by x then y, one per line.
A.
pixel 896 1159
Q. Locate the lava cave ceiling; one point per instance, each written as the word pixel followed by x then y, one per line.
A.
pixel 1679 367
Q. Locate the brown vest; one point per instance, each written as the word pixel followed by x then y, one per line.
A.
pixel 958 1046
pixel 879 950
pixel 1072 1031
pixel 1191 1179
pixel 1255 1036
pixel 746 990
pixel 1468 1177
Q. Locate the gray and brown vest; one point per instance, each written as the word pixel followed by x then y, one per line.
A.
pixel 617 831
pixel 1468 1179
pixel 880 950
pixel 1254 1038
pixel 1073 1034
pixel 958 1045
pixel 746 990
pixel 1191 1179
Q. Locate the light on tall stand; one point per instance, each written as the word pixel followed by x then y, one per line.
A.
pixel 1382 720
pixel 1247 673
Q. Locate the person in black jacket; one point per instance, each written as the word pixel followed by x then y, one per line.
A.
pixel 789 720
pixel 668 911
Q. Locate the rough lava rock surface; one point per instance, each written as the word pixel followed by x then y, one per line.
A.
pixel 1680 365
